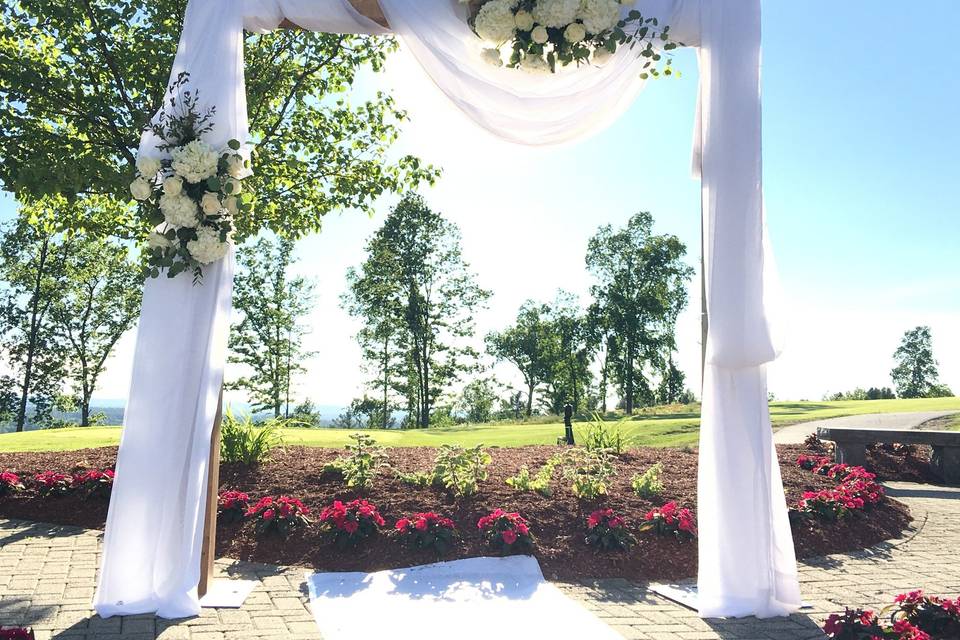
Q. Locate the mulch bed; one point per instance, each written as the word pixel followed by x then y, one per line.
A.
pixel 557 521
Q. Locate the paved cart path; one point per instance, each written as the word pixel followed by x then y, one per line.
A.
pixel 796 433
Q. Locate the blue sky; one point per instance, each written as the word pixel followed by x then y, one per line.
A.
pixel 860 140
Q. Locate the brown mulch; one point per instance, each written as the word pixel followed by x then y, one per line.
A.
pixel 557 521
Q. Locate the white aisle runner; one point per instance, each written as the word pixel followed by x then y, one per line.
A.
pixel 464 599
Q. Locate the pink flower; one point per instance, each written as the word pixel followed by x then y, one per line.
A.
pixel 350 526
pixel 268 514
pixel 509 537
pixel 402 524
pixel 421 524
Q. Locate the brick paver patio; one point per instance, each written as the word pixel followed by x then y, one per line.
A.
pixel 47 579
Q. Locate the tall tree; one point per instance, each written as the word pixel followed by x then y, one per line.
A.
pixel 32 275
pixel 915 374
pixel 267 340
pixel 569 375
pixel 99 302
pixel 640 287
pixel 414 264
pixel 477 400
pixel 527 344
pixel 79 80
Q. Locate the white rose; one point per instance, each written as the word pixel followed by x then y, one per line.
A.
pixel 599 15
pixel 492 56
pixel 236 165
pixel 207 247
pixel 495 21
pixel 140 188
pixel 210 203
pixel 231 186
pixel 231 205
pixel 601 56
pixel 179 211
pixel 195 161
pixel 534 64
pixel 539 34
pixel 157 240
pixel 555 13
pixel 523 20
pixel 574 33
pixel 173 186
pixel 147 166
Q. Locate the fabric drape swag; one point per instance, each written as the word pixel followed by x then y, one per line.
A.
pixel 746 555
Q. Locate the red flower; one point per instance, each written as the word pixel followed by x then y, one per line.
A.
pixel 268 514
pixel 350 526
pixel 421 524
pixel 402 524
pixel 523 529
pixel 509 537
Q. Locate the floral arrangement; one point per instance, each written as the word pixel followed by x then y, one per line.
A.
pixel 542 35
pixel 16 633
pixel 9 482
pixel 53 483
pixel 912 616
pixel 669 520
pixel 233 506
pixel 351 522
pixel 278 515
pixel 190 195
pixel 606 531
pixel 94 484
pixel 428 531
pixel 505 531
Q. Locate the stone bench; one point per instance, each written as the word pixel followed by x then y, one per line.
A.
pixel 852 446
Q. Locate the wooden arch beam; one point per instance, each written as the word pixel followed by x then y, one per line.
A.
pixel 368 8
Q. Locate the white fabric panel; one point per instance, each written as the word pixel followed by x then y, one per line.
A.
pixel 151 546
pixel 747 563
pixel 331 16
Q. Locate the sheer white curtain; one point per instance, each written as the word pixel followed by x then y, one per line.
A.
pixel 747 564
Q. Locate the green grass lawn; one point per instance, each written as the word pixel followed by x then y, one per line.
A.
pixel 661 427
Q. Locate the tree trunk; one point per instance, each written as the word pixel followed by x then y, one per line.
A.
pixel 603 381
pixel 530 387
pixel 386 382
pixel 628 404
pixel 32 337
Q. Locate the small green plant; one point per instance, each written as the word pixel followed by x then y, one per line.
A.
pixel 416 478
pixel 360 466
pixel 461 470
pixel 588 471
pixel 647 484
pixel 246 442
pixel 540 482
pixel 599 434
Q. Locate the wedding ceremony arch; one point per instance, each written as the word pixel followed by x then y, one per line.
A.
pixel 153 538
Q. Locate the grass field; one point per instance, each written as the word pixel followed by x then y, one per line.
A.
pixel 659 427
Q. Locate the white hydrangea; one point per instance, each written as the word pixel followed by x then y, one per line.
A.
pixel 173 186
pixel 574 33
pixel 179 210
pixel 495 21
pixel 492 56
pixel 523 20
pixel 555 13
pixel 231 204
pixel 140 189
pixel 534 64
pixel 539 34
pixel 148 167
pixel 195 161
pixel 599 15
pixel 207 247
pixel 601 56
pixel 157 240
pixel 210 203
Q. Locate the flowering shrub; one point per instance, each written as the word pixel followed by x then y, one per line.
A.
pixel 53 483
pixel 352 522
pixel 233 506
pixel 93 483
pixel 670 520
pixel 857 489
pixel 605 530
pixel 16 633
pixel 505 531
pixel 9 482
pixel 280 515
pixel 912 616
pixel 428 531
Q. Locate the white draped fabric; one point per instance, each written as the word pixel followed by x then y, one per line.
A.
pixel 747 563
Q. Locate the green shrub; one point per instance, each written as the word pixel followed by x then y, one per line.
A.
pixel 460 470
pixel 244 441
pixel 588 471
pixel 362 462
pixel 647 484
pixel 599 434
pixel 416 479
pixel 540 482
